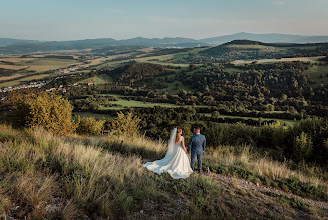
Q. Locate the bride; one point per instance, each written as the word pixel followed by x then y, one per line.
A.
pixel 176 161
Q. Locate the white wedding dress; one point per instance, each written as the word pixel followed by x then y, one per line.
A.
pixel 175 162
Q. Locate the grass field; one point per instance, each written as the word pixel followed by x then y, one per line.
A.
pixel 287 122
pixel 315 72
pixel 12 67
pixel 100 79
pixel 15 59
pixel 260 47
pixel 175 87
pixel 10 77
pixel 91 114
pixel 112 94
pixel 23 80
pixel 153 59
pixel 45 64
pixel 303 59
pixel 133 103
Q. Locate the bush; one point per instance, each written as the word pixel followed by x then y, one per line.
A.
pixel 125 124
pixel 48 111
pixel 89 126
pixel 307 140
pixel 302 148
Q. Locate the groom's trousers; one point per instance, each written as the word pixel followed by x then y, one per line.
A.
pixel 199 159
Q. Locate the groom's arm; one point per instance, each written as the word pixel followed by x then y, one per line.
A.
pixel 190 144
pixel 204 144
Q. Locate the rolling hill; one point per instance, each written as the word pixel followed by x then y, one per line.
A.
pixel 248 49
pixel 13 46
pixel 268 38
pixel 4 42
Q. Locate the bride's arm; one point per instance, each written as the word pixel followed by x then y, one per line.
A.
pixel 183 144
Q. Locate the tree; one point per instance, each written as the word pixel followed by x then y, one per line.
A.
pixel 215 114
pixel 89 126
pixel 51 112
pixel 125 124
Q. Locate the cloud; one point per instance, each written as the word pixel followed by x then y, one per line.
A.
pixel 278 3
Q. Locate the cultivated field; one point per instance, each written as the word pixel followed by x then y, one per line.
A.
pixel 15 59
pixel 303 59
pixel 23 80
pixel 45 64
pixel 12 67
pixel 10 77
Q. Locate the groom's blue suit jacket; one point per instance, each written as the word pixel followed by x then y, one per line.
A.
pixel 197 143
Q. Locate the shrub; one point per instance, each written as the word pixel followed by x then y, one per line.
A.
pixel 89 126
pixel 302 148
pixel 48 111
pixel 125 124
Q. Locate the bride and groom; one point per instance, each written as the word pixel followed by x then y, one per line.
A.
pixel 176 161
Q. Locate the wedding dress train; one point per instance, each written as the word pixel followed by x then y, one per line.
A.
pixel 175 162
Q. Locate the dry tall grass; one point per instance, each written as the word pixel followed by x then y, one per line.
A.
pixel 94 178
pixel 103 176
pixel 264 166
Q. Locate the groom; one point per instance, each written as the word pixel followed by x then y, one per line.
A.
pixel 197 145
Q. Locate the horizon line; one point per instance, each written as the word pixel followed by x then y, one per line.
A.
pixel 242 32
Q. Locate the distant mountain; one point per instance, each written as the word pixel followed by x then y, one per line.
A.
pixel 267 38
pixel 8 42
pixel 58 45
pixel 99 44
pixel 13 46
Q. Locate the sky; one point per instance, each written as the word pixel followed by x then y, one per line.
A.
pixel 123 19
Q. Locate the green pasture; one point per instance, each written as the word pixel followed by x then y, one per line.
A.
pixel 100 79
pixel 91 114
pixel 315 73
pixel 132 103
pixel 45 64
pixel 287 122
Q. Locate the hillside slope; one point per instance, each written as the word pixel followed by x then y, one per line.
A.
pixel 44 176
pixel 268 38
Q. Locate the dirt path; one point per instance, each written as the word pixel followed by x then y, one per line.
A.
pixel 230 181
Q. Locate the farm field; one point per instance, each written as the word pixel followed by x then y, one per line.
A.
pixel 23 80
pixel 98 61
pixel 10 77
pixel 303 59
pixel 45 64
pixel 15 59
pixel 12 67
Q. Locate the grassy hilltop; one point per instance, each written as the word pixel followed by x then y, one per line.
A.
pixel 263 109
pixel 47 176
